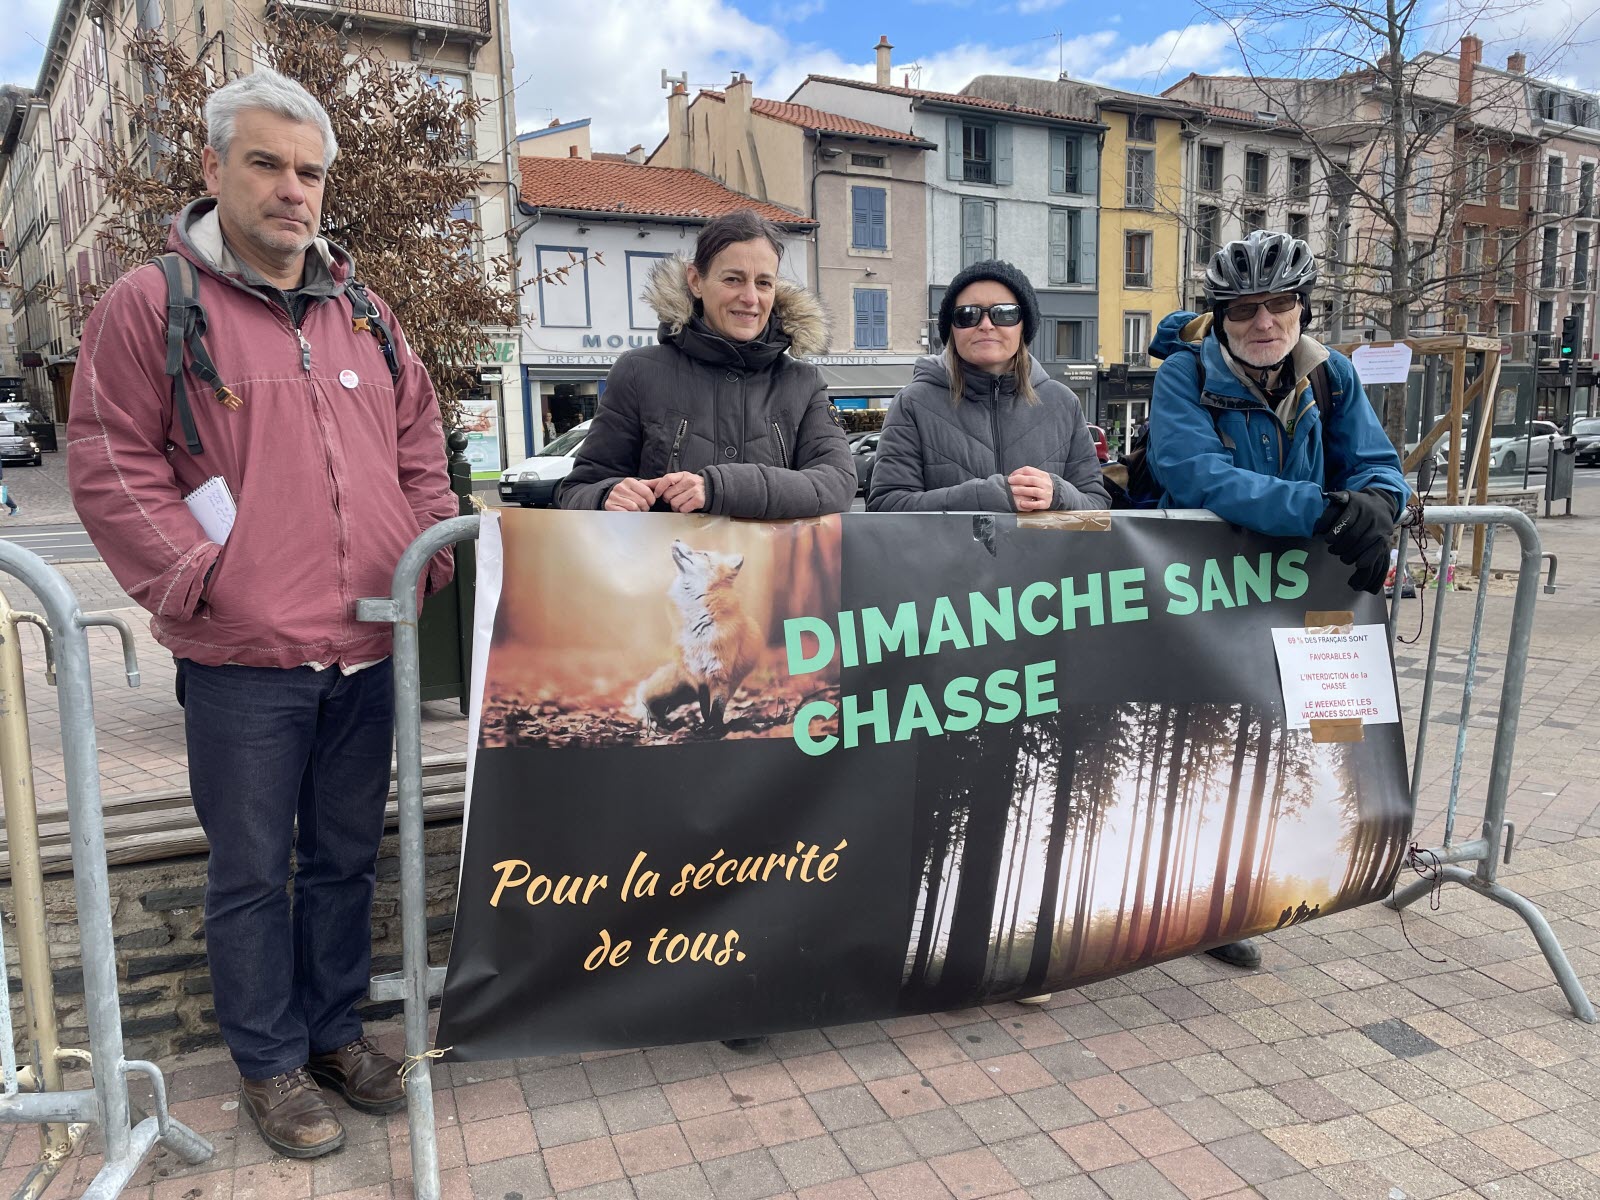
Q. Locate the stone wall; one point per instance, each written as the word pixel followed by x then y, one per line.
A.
pixel 161 955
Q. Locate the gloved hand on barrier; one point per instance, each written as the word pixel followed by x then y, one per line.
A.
pixel 1357 527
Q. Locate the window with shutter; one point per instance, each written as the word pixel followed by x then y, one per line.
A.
pixel 1058 246
pixel 872 319
pixel 977 230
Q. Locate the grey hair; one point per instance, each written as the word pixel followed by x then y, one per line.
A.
pixel 266 89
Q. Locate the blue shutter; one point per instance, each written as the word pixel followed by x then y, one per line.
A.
pixel 953 151
pixel 1089 166
pixel 971 232
pixel 1058 246
pixel 1058 163
pixel 878 324
pixel 860 226
pixel 877 218
pixel 863 302
pixel 1089 245
pixel 1002 155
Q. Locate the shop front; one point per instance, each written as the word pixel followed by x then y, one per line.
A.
pixel 1564 395
pixel 858 381
pixel 1124 403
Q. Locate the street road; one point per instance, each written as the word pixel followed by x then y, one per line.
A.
pixel 53 543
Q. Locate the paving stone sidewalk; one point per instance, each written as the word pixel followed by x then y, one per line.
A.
pixel 1370 1056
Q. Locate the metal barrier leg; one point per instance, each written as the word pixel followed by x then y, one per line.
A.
pixel 1485 851
pixel 420 982
pixel 91 884
pixel 27 891
pixel 1577 998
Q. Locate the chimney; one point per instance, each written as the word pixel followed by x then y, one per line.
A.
pixel 554 121
pixel 739 95
pixel 883 47
pixel 1516 62
pixel 572 152
pixel 1467 60
pixel 635 154
pixel 678 126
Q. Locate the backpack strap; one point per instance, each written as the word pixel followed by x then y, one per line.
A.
pixel 1322 391
pixel 186 327
pixel 364 318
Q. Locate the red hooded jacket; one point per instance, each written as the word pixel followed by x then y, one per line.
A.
pixel 334 468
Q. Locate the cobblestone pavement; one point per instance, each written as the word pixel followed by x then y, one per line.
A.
pixel 41 492
pixel 1369 1057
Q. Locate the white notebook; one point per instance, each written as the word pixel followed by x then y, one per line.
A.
pixel 212 505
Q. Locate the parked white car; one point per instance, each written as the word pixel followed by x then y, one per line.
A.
pixel 1508 454
pixel 533 483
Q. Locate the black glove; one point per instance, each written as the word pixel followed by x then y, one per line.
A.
pixel 1353 520
pixel 1371 568
pixel 1357 527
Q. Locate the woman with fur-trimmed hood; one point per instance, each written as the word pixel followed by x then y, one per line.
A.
pixel 718 417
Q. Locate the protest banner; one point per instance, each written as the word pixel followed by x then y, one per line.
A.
pixel 733 777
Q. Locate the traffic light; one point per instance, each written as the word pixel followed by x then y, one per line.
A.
pixel 1569 338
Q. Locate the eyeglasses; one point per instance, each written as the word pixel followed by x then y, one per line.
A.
pixel 1246 310
pixel 970 316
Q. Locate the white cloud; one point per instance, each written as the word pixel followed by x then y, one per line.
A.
pixel 1558 37
pixel 1205 48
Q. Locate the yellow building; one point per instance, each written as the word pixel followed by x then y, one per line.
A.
pixel 1141 246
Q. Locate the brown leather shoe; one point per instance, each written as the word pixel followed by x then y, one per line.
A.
pixel 291 1114
pixel 368 1080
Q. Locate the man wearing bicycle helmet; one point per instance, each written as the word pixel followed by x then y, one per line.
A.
pixel 1264 425
pixel 1268 428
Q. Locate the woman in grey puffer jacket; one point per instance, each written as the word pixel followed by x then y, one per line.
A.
pixel 1006 437
pixel 718 417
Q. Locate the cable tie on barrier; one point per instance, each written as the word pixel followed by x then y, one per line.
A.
pixel 415 1060
pixel 1426 864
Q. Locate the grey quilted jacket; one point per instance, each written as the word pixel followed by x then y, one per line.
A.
pixel 938 454
pixel 755 422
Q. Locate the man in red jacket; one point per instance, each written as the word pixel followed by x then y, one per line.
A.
pixel 333 466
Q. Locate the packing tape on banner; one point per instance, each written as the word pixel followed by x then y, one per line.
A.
pixel 1340 729
pixel 1084 521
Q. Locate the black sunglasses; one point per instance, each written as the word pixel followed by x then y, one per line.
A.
pixel 1247 309
pixel 970 316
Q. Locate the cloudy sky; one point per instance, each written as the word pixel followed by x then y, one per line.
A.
pixel 603 58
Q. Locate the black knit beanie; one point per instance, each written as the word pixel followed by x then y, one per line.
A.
pixel 999 272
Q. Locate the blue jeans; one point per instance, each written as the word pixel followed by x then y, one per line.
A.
pixel 288 762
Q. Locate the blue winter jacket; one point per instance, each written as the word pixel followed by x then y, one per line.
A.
pixel 1228 452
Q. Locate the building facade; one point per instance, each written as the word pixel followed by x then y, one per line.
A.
pixel 592 233
pixel 864 186
pixel 1008 181
pixel 455 44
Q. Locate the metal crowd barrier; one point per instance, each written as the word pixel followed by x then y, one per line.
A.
pixel 1493 843
pixel 418 981
pixel 66 1114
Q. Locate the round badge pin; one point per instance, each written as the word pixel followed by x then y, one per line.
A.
pixel 349 378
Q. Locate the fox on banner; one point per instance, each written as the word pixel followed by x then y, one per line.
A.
pixel 731 778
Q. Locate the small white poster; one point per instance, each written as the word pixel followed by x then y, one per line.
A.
pixel 1336 676
pixel 1382 364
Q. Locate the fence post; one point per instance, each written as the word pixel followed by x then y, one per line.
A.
pixel 107 1104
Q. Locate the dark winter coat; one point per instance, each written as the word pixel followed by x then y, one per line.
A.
pixel 941 455
pixel 754 422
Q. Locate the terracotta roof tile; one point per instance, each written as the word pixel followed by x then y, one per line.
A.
pixel 824 122
pixel 955 98
pixel 631 189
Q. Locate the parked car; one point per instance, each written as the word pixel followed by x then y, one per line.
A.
pixel 864 449
pixel 1102 448
pixel 533 483
pixel 17 445
pixel 1588 434
pixel 1510 449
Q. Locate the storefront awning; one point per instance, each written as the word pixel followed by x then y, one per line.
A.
pixel 879 380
